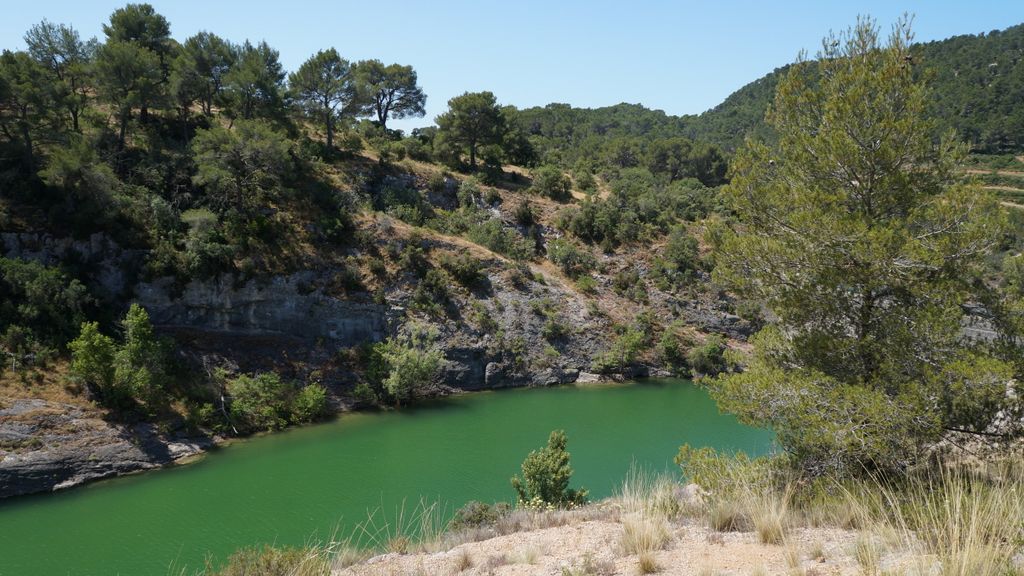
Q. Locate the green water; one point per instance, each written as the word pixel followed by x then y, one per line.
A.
pixel 297 486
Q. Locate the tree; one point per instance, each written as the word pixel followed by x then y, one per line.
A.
pixel 128 76
pixel 199 70
pixel 389 91
pixel 141 26
pixel 240 168
pixel 140 363
pixel 254 85
pixel 42 300
pixel 92 361
pixel 325 86
pixel 546 476
pixel 472 120
pixel 27 104
pixel 860 235
pixel 61 50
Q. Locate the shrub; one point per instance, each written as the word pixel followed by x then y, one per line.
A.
pixel 549 181
pixel 365 394
pixel 554 330
pixel 546 476
pixel 585 180
pixel 242 168
pixel 271 561
pixel 708 359
pixel 476 514
pixel 465 269
pixel 431 294
pixel 623 352
pixel 408 364
pixel 573 261
pixel 493 235
pixel 141 362
pixel 259 402
pixel 438 182
pixel 492 196
pixel 523 214
pixel 44 301
pixel 309 405
pixel 586 284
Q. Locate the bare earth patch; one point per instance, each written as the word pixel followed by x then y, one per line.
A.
pixel 594 547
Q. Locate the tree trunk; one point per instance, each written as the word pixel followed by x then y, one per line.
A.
pixel 472 155
pixel 30 158
pixel 123 131
pixel 330 129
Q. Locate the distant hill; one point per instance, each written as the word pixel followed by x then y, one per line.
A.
pixel 978 83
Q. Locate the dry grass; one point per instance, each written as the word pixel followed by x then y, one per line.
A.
pixel 418 528
pixel 527 555
pixel 463 561
pixel 648 502
pixel 647 564
pixel 959 522
pixel 643 534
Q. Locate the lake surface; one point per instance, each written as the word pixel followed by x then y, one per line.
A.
pixel 302 485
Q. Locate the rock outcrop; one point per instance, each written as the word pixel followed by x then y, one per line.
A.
pixel 46 446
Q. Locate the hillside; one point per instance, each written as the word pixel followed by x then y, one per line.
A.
pixel 200 249
pixel 977 82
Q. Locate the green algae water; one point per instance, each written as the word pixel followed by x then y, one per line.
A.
pixel 300 486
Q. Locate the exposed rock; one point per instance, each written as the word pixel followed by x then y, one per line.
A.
pixel 51 446
pixel 107 268
pixel 589 378
pixel 281 305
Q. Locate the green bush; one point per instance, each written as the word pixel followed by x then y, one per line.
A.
pixel 243 168
pixel 465 269
pixel 122 375
pixel 408 364
pixel 309 405
pixel 624 351
pixel 493 235
pixel 586 284
pixel 477 514
pixel 551 182
pixel 42 300
pixel 546 476
pixel 469 192
pixel 708 359
pixel 523 214
pixel 573 261
pixel 259 402
pixel 272 561
pixel 431 294
pixel 92 363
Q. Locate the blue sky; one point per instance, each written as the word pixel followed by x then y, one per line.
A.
pixel 681 57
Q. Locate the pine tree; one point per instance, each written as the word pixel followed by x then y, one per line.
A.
pixel 859 232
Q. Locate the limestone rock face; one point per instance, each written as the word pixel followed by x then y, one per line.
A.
pixel 49 446
pixel 280 305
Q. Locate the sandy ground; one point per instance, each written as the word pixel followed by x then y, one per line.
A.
pixel 594 547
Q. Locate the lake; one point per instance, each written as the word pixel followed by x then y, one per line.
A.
pixel 305 484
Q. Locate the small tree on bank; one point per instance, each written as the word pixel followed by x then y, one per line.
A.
pixel 546 476
pixel 408 364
